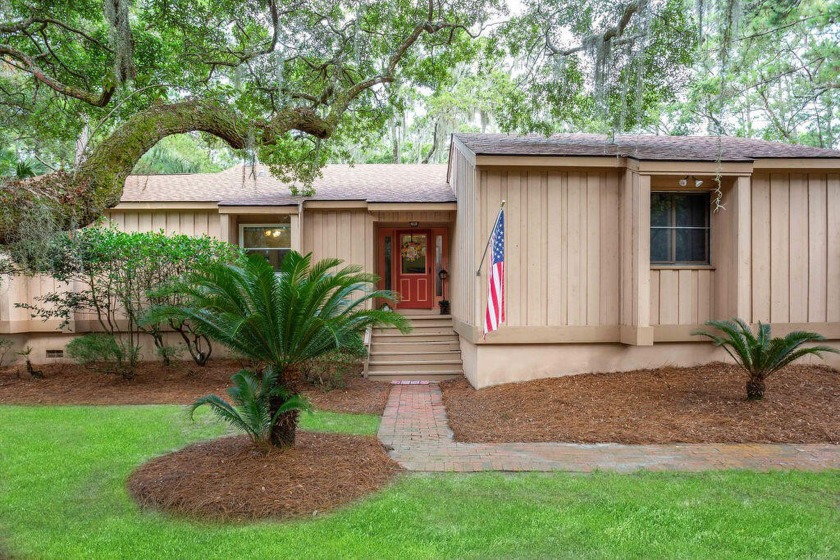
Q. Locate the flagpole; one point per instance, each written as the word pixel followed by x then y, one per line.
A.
pixel 484 255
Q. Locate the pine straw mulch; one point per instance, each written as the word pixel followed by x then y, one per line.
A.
pixel 230 479
pixel 704 404
pixel 180 383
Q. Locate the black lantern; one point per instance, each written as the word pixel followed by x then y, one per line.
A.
pixel 444 303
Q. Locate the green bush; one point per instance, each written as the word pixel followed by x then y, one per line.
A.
pixel 281 319
pixel 251 411
pixel 104 349
pixel 117 277
pixel 330 371
pixel 759 354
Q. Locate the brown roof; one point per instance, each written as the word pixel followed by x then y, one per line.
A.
pixel 238 186
pixel 639 146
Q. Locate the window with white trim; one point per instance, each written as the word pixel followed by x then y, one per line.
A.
pixel 679 228
pixel 272 241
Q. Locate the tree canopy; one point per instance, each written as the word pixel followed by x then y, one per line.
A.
pixel 87 87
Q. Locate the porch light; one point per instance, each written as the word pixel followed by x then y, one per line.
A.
pixel 414 224
pixel 443 275
pixel 697 182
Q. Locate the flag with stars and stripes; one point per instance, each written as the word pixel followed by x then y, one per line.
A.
pixel 495 314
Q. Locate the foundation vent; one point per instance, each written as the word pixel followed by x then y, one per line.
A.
pixel 55 353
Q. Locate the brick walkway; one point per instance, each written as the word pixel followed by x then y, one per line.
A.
pixel 415 429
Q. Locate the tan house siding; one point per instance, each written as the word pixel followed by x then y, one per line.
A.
pixel 562 246
pixel 185 222
pixel 344 234
pixel 464 256
pixel 681 297
pixel 24 290
pixel 795 247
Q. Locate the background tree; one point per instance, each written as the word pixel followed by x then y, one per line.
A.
pixel 88 86
pixel 278 80
pixel 780 82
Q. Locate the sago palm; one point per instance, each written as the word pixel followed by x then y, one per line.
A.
pixel 251 396
pixel 759 354
pixel 282 319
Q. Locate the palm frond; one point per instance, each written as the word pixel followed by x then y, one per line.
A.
pixel 760 354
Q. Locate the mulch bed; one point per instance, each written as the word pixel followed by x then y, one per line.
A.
pixel 180 383
pixel 230 479
pixel 704 404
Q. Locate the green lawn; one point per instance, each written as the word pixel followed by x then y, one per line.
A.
pixel 61 496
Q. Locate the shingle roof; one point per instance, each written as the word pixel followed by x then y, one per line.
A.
pixel 238 186
pixel 643 147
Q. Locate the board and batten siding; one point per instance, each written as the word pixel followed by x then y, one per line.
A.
pixel 186 222
pixel 464 257
pixel 562 244
pixel 344 234
pixel 795 248
pixel 681 296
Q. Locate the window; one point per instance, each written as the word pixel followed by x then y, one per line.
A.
pixel 272 241
pixel 679 228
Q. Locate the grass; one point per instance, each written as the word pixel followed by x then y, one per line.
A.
pixel 62 471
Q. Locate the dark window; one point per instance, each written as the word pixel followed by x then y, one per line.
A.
pixel 679 228
pixel 387 262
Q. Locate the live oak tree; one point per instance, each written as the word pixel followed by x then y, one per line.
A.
pixel 300 83
pixel 277 80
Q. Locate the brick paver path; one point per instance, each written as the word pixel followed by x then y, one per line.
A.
pixel 415 429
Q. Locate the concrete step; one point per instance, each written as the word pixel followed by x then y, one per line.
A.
pixel 422 376
pixel 422 328
pixel 416 346
pixel 431 351
pixel 420 356
pixel 414 366
pixel 430 321
pixel 414 337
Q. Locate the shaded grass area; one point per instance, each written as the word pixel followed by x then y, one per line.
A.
pixel 62 495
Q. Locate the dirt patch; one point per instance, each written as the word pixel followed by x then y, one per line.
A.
pixel 692 405
pixel 229 479
pixel 180 383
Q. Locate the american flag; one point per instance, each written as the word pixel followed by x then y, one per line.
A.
pixel 495 313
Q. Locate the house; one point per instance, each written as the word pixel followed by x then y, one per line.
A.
pixel 615 252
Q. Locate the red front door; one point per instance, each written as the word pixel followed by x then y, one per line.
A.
pixel 414 271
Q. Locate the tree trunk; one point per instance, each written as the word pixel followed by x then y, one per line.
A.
pixel 284 430
pixel 755 390
pixel 74 200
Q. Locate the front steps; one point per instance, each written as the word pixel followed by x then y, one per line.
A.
pixel 431 351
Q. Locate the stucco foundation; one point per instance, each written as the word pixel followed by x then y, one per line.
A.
pixel 41 342
pixel 493 364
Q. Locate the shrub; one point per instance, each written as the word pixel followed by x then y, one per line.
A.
pixel 117 276
pixel 6 346
pixel 168 353
pixel 251 411
pixel 282 320
pixel 759 354
pixel 25 353
pixel 330 370
pixel 104 349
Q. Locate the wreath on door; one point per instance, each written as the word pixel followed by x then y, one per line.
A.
pixel 412 250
